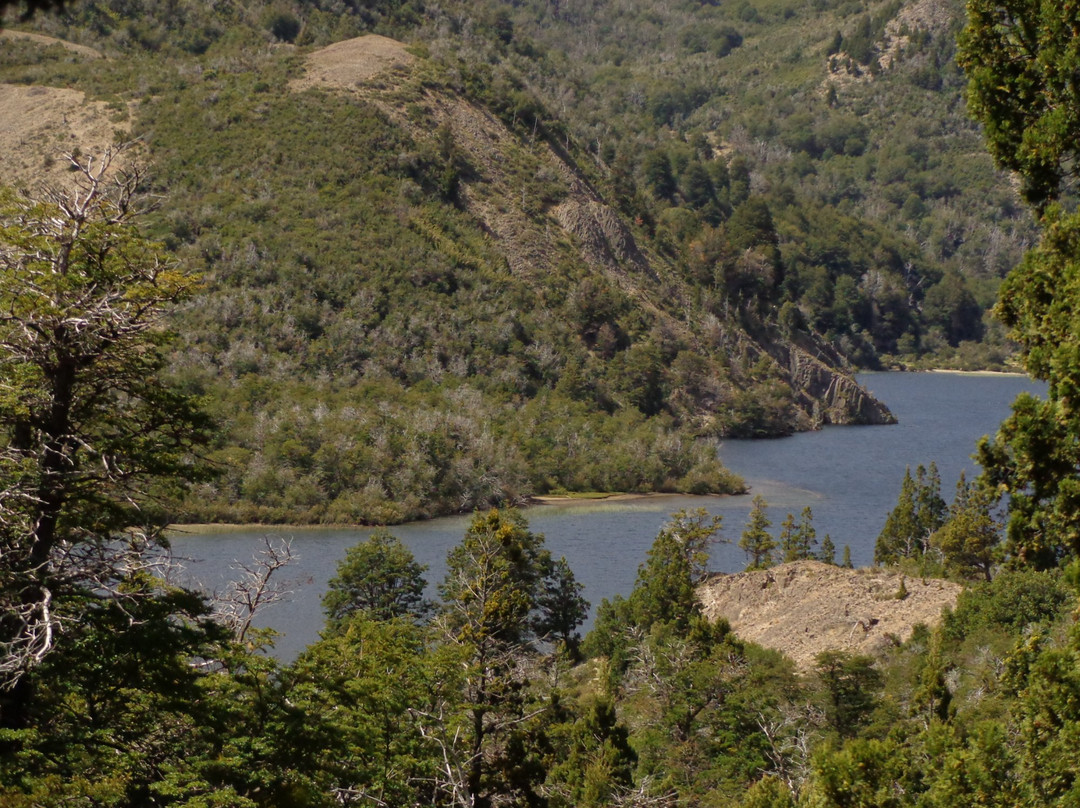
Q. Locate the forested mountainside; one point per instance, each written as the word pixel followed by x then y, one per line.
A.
pixel 536 248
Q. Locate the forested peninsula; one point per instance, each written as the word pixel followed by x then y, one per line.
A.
pixel 341 262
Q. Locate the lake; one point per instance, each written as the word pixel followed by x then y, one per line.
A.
pixel 849 476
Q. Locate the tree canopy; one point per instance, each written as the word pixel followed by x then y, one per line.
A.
pixel 1021 59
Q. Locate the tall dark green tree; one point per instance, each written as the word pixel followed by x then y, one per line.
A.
pixel 756 541
pixel 920 510
pixel 797 540
pixel 495 610
pixel 970 539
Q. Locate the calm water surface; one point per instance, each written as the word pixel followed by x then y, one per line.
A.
pixel 849 476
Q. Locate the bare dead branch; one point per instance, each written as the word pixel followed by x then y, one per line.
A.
pixel 257 587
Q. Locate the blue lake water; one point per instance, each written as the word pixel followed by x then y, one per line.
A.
pixel 849 476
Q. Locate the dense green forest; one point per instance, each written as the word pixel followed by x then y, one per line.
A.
pixel 120 688
pixel 392 325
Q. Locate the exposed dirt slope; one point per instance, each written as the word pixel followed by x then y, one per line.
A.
pixel 807 607
pixel 345 64
pixel 38 125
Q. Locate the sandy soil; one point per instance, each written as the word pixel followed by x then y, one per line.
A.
pixel 807 607
pixel 351 62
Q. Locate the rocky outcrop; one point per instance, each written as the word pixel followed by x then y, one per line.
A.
pixel 602 236
pixel 835 398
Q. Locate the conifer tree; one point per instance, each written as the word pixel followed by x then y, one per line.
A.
pixel 797 541
pixel 970 538
pixel 756 541
pixel 919 512
pixel 1021 62
pixel 827 553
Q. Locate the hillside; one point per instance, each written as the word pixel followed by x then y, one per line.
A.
pixel 533 250
pixel 416 303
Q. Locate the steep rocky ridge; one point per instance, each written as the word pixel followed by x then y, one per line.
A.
pixel 532 234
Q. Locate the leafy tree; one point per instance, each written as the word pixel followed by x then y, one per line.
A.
pixel 598 761
pixel 756 540
pixel 951 305
pixel 664 591
pixel 372 685
pixel 92 437
pixel 562 608
pixel 1019 59
pixel 494 610
pixel 659 177
pixel 378 576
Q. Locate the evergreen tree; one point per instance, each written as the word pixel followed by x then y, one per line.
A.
pixel 788 539
pixel 827 553
pixel 756 541
pixel 846 562
pixel 970 538
pixel 1020 60
pixel 495 612
pixel 919 512
pixel 850 684
pixel 930 508
pixel 897 539
pixel 562 608
pixel 797 541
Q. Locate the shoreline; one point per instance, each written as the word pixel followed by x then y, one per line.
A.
pixel 1017 373
pixel 546 500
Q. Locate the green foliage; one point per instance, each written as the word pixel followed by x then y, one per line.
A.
pixel 797 541
pixel 849 688
pixel 380 578
pixel 1012 602
pixel 919 512
pixel 371 683
pixel 93 438
pixel 1017 63
pixel 827 553
pixel 969 539
pixel 756 541
pixel 563 608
